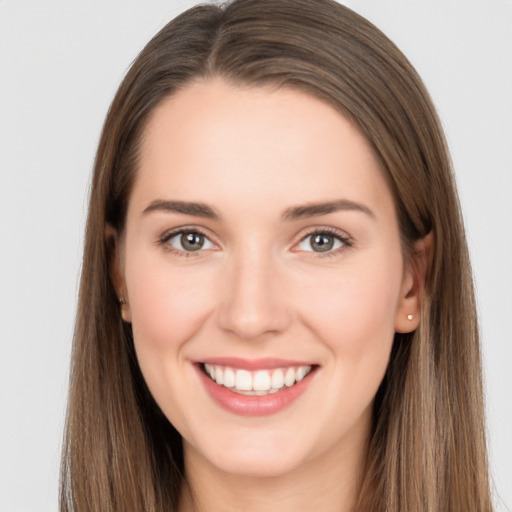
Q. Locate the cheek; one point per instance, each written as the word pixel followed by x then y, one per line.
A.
pixel 353 311
pixel 168 305
pixel 352 315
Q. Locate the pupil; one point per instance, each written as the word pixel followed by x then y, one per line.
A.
pixel 192 241
pixel 322 243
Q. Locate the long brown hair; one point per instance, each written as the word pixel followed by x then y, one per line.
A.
pixel 427 449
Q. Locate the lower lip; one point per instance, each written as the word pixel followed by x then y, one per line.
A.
pixel 249 405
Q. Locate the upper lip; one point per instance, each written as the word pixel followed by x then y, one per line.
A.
pixel 266 363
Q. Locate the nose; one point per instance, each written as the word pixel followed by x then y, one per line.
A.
pixel 253 301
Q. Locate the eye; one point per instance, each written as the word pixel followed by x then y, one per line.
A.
pixel 188 241
pixel 322 241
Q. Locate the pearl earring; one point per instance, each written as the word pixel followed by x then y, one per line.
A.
pixel 123 303
pixel 410 317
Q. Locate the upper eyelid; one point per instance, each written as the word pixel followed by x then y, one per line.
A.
pixel 163 240
pixel 170 233
pixel 331 231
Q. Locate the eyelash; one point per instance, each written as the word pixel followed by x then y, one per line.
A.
pixel 345 240
pixel 164 239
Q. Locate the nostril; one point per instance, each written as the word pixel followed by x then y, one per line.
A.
pixel 253 302
pixel 253 323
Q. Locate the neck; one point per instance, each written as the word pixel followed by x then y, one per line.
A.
pixel 328 482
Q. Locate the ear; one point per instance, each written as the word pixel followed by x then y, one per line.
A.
pixel 407 317
pixel 116 270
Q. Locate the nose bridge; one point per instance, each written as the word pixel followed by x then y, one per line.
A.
pixel 253 301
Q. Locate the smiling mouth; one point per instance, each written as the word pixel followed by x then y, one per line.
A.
pixel 256 383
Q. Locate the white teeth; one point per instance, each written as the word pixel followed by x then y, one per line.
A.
pixel 210 370
pixel 301 373
pixel 229 378
pixel 261 382
pixel 243 380
pixel 289 378
pixel 219 376
pixel 278 379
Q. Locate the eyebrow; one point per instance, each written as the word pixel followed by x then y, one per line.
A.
pixel 317 209
pixel 185 207
pixel 290 214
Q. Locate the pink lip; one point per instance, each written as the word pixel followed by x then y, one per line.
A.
pixel 254 364
pixel 248 405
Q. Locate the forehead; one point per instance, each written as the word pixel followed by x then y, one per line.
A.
pixel 212 140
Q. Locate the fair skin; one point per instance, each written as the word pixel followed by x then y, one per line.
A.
pixel 256 278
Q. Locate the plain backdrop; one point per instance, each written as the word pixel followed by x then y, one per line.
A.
pixel 60 64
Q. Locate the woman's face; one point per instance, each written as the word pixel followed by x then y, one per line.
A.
pixel 262 247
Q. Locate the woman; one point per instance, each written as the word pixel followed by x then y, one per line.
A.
pixel 276 307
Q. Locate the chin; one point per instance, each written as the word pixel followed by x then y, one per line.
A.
pixel 260 458
pixel 257 466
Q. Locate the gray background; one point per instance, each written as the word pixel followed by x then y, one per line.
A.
pixel 60 63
